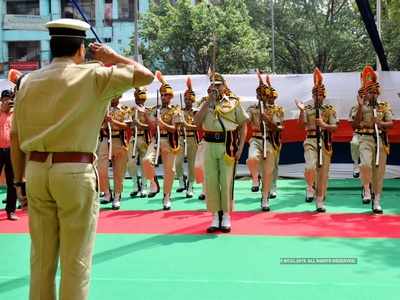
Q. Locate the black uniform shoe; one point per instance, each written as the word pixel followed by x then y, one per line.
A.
pixel 12 216
pixel 366 201
pixel 134 194
pixel 265 208
pixel 225 229
pixel 377 211
pixel 152 194
pixel 166 207
pixel 184 187
pixel 255 189
pixel 320 210
pixel 356 174
pixel 309 199
pixel 272 195
pixel 212 229
pixel 202 197
pixel 104 201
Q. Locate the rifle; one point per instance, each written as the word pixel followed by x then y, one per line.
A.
pixel 184 131
pixel 136 134
pixel 318 133
pixel 377 153
pixel 264 129
pixel 157 145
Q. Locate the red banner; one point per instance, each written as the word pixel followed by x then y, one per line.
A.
pixel 24 65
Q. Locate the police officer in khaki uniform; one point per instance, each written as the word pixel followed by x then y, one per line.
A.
pixel 138 145
pixel 199 159
pixel 374 118
pixel 116 117
pixel 355 147
pixel 189 140
pixel 317 175
pixel 168 121
pixel 355 140
pixel 58 114
pixel 224 122
pixel 266 123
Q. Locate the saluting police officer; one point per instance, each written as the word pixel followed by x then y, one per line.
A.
pixel 58 115
pixel 223 120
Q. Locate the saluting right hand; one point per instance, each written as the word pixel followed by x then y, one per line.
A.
pixel 299 104
pixel 103 53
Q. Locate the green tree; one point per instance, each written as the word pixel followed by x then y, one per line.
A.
pixel 179 38
pixel 391 32
pixel 324 33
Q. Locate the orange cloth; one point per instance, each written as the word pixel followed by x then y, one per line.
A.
pixel 5 128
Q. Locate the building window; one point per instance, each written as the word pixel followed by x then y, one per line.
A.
pixel 125 10
pixel 88 7
pixel 24 56
pixel 108 12
pixel 23 7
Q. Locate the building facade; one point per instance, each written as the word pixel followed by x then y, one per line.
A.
pixel 24 41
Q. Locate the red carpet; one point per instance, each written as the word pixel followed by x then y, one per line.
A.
pixel 305 224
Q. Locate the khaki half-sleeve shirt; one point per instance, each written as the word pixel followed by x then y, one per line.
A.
pixel 231 114
pixel 60 108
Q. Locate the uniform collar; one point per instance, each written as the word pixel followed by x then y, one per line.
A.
pixel 63 60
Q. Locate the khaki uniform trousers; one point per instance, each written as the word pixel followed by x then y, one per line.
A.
pixel 191 157
pixel 311 159
pixel 199 162
pixel 168 160
pixel 267 166
pixel 367 158
pixel 355 147
pixel 141 149
pixel 63 210
pixel 219 177
pixel 275 174
pixel 119 159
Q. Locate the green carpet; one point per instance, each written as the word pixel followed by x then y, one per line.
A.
pixel 343 196
pixel 221 267
pixel 199 267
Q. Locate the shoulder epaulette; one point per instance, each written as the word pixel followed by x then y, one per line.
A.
pixel 384 106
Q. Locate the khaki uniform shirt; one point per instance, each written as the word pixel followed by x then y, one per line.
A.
pixel 327 114
pixel 60 108
pixel 230 112
pixel 273 110
pixel 384 113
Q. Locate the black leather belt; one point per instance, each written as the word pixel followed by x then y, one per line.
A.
pixel 214 136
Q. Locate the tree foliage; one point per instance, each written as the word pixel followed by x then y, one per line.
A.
pixel 179 38
pixel 328 34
